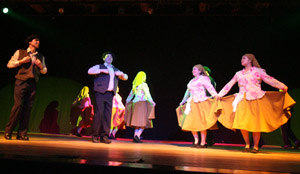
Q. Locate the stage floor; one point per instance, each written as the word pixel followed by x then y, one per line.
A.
pixel 162 156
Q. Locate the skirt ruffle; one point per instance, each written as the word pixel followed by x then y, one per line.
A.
pixel 203 115
pixel 118 118
pixel 261 115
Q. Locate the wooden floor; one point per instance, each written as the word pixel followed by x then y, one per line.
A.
pixel 161 157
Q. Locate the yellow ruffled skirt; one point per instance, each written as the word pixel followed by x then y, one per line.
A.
pixel 203 115
pixel 261 115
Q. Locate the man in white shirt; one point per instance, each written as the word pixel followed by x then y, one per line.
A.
pixel 105 86
pixel 29 64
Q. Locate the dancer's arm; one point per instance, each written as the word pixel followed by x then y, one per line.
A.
pixel 272 81
pixel 207 84
pixel 121 75
pixel 228 86
pixel 94 70
pixel 186 96
pixel 130 96
pixel 147 93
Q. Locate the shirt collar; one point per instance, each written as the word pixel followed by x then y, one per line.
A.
pixel 29 51
pixel 108 65
pixel 251 69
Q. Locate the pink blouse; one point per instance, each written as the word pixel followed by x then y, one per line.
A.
pixel 197 88
pixel 250 84
pixel 196 91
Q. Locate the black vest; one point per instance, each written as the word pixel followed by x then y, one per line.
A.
pixel 101 81
pixel 27 70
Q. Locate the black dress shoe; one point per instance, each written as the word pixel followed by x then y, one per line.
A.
pixel 22 137
pixel 105 140
pixel 96 139
pixel 7 136
pixel 136 139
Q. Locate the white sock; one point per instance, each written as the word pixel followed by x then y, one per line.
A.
pixel 139 132
pixel 114 131
pixel 136 132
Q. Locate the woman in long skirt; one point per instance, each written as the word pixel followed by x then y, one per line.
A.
pixel 117 115
pixel 82 111
pixel 252 109
pixel 139 107
pixel 200 111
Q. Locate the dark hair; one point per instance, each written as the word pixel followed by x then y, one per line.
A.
pixel 31 37
pixel 108 52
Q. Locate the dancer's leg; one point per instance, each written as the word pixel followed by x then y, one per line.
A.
pixel 245 135
pixel 203 137
pixel 196 137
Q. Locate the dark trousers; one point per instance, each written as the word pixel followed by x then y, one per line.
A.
pixel 287 133
pixel 102 118
pixel 24 94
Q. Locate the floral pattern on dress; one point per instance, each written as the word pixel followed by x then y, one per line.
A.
pixel 250 84
pixel 196 91
pixel 197 88
pixel 142 93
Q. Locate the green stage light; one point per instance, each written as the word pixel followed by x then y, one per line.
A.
pixel 5 10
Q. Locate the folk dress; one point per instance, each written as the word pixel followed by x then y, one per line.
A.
pixel 140 107
pixel 118 113
pixel 253 109
pixel 200 112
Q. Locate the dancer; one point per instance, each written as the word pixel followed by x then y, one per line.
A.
pixel 252 109
pixel 117 116
pixel 29 64
pixel 105 86
pixel 139 107
pixel 200 111
pixel 82 111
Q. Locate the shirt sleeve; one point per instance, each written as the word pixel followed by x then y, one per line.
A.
pixel 44 69
pixel 207 84
pixel 271 80
pixel 147 93
pixel 186 96
pixel 14 62
pixel 228 86
pixel 94 70
pixel 121 75
pixel 130 96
